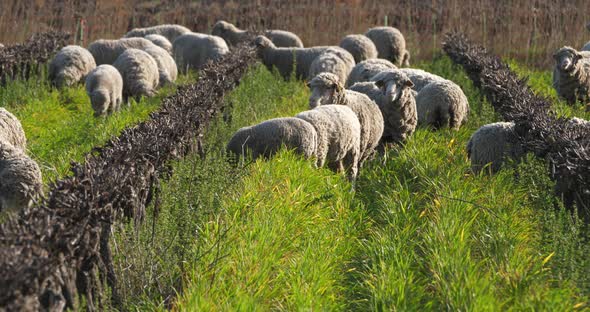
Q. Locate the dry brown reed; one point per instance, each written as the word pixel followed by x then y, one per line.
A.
pixel 527 30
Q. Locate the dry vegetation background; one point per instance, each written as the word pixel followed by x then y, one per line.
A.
pixel 528 30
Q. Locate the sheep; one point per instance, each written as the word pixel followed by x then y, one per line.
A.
pixel 139 72
pixel 327 89
pixel 234 36
pixel 365 70
pixel 166 64
pixel 571 74
pixel 338 137
pixel 285 58
pixel 392 91
pixel 104 86
pixel 170 31
pixel 193 50
pixel 70 66
pixel 334 60
pixel 390 44
pixel 492 144
pixel 160 41
pixel 265 139
pixel 284 39
pixel 442 103
pixel 20 179
pixel 360 46
pixel 107 51
pixel 11 130
pixel 420 78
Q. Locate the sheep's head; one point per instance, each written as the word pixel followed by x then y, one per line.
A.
pixel 392 84
pixel 99 100
pixel 326 88
pixel 566 59
pixel 221 28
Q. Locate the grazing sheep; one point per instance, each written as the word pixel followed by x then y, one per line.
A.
pixel 327 89
pixel 334 60
pixel 365 70
pixel 360 46
pixel 285 58
pixel 265 139
pixel 338 137
pixel 492 144
pixel 139 72
pixel 104 86
pixel 160 41
pixel 170 31
pixel 11 130
pixel 20 179
pixel 70 66
pixel 442 103
pixel 284 39
pixel 390 44
pixel 166 65
pixel 571 75
pixel 420 78
pixel 107 51
pixel 193 50
pixel 234 36
pixel 392 91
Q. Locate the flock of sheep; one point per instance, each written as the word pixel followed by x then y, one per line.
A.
pixel 361 97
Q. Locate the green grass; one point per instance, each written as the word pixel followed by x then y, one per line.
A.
pixel 418 232
pixel 60 125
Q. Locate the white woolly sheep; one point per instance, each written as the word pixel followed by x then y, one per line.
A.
pixel 104 86
pixel 491 145
pixel 265 139
pixel 571 74
pixel 11 130
pixel 139 72
pixel 20 179
pixel 360 46
pixel 390 44
pixel 170 31
pixel 392 91
pixel 70 66
pixel 333 60
pixel 166 65
pixel 234 36
pixel 161 42
pixel 327 89
pixel 193 50
pixel 420 78
pixel 285 58
pixel 338 137
pixel 442 103
pixel 365 70
pixel 107 51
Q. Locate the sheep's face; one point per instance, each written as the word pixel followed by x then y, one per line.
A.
pixel 392 84
pixel 100 103
pixel 324 91
pixel 566 59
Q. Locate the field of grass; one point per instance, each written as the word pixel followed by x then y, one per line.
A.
pixel 418 232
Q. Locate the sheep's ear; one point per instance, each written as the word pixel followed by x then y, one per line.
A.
pixel 409 83
pixel 578 55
